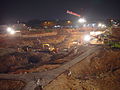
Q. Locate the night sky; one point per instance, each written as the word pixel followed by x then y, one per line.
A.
pixel 24 10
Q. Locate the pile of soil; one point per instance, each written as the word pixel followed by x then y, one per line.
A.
pixel 116 32
pixel 22 61
pixel 30 62
pixel 12 85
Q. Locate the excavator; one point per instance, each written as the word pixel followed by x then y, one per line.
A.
pixel 50 48
pixel 44 48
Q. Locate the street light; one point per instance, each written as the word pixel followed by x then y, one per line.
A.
pixel 10 31
pixel 100 24
pixel 82 20
pixel 103 26
pixel 93 25
pixel 68 22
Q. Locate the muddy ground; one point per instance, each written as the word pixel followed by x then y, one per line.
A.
pixel 100 71
pixel 15 60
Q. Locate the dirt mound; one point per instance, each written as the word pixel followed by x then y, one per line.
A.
pixel 116 32
pixel 11 85
pixel 15 61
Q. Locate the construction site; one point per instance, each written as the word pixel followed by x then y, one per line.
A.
pixel 64 59
pixel 60 45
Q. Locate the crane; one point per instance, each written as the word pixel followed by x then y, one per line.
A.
pixel 73 13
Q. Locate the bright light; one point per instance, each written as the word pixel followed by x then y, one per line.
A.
pixel 93 33
pixel 12 32
pixel 81 20
pixel 68 22
pixel 87 38
pixel 9 29
pixel 100 24
pixel 84 25
pixel 57 26
pixel 103 26
pixel 93 25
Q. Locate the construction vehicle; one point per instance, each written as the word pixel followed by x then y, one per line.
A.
pixel 25 49
pixel 50 48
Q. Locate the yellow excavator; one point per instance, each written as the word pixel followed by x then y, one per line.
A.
pixel 48 47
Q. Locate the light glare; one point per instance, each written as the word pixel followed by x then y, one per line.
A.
pixel 87 38
pixel 12 32
pixel 82 20
pixel 9 29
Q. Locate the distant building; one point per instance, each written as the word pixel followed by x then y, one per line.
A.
pixel 47 24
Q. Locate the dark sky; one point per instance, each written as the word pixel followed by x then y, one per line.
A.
pixel 23 10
